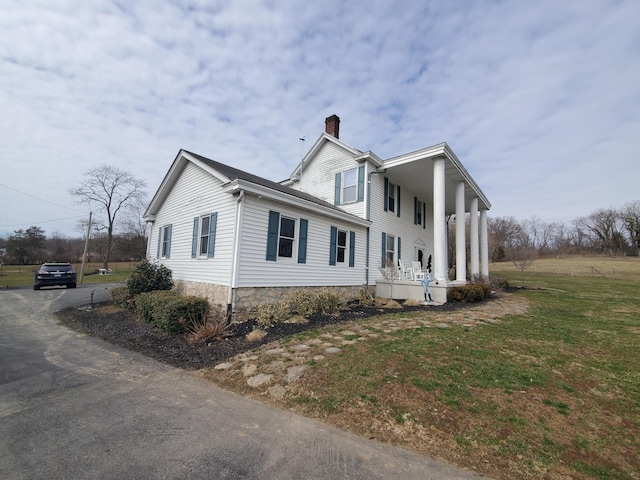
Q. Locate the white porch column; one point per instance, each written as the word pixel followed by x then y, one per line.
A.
pixel 473 238
pixel 484 244
pixel 439 221
pixel 461 244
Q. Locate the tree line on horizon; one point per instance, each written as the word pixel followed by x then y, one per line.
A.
pixel 119 233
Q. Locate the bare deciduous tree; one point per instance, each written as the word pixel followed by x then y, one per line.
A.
pixel 605 225
pixel 112 191
pixel 630 215
pixel 523 252
pixel 501 232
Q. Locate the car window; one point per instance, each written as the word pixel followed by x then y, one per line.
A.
pixel 57 268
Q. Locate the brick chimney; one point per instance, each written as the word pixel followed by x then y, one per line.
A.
pixel 332 126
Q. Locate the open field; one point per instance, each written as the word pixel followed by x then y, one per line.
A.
pixel 578 266
pixel 552 393
pixel 22 275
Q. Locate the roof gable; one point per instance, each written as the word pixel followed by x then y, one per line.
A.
pixel 240 180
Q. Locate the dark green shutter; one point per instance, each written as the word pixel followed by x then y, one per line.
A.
pixel 194 238
pixel 398 202
pixel 361 183
pixel 169 228
pixel 302 241
pixel 159 241
pixel 399 250
pixel 415 210
pixel 384 250
pixel 352 249
pixel 338 187
pixel 333 245
pixel 272 236
pixel 211 247
pixel 386 194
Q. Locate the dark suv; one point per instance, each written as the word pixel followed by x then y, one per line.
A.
pixel 54 273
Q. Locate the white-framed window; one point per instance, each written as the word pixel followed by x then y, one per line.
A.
pixel 203 241
pixel 164 241
pixel 341 246
pixel 419 209
pixel 287 236
pixel 391 199
pixel 204 236
pixel 391 250
pixel 350 185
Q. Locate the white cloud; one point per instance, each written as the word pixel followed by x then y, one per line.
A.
pixel 538 100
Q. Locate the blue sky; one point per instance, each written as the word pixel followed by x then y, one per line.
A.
pixel 539 100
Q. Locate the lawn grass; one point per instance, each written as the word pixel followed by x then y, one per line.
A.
pixel 22 275
pixel 553 393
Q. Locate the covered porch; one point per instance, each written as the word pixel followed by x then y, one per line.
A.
pixel 436 173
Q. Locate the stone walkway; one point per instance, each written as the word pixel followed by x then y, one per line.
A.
pixel 272 367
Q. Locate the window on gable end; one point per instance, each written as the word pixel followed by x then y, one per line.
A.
pixel 164 242
pixel 204 235
pixel 350 185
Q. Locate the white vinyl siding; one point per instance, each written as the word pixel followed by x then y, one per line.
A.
pixel 254 270
pixel 318 177
pixel 196 194
pixel 413 237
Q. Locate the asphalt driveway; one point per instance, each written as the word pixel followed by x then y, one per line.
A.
pixel 74 407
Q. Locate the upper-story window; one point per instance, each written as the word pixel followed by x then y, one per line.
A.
pixel 391 197
pixel 419 213
pixel 349 186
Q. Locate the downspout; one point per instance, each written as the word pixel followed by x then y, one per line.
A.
pixel 233 282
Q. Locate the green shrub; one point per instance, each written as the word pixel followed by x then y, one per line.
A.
pixel 147 277
pixel 472 292
pixel 327 301
pixel 169 311
pixel 264 315
pixel 121 296
pixel 304 303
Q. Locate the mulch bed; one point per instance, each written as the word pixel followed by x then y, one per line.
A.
pixel 122 328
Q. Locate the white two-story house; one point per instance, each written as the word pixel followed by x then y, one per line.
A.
pixel 241 240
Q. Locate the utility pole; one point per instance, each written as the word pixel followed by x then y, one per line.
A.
pixel 86 248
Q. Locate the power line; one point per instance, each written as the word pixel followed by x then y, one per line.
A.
pixel 43 200
pixel 43 221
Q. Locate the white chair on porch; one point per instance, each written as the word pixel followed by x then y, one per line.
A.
pixel 416 270
pixel 405 273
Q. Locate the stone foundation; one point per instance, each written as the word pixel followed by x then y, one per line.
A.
pixel 245 300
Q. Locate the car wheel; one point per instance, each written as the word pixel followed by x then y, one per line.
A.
pixel 71 285
pixel 36 287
